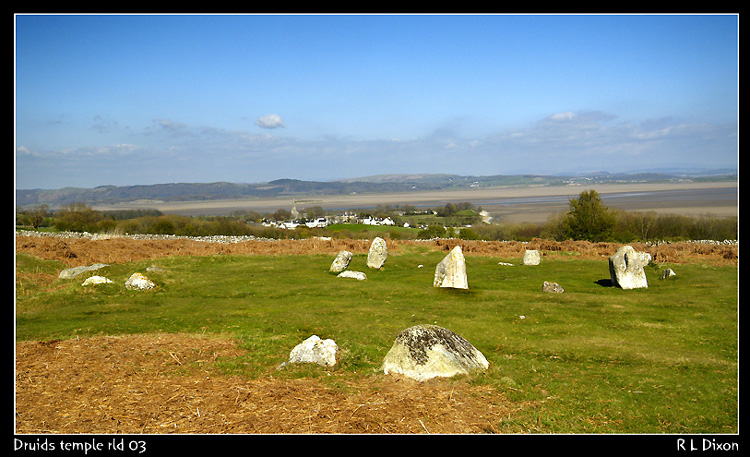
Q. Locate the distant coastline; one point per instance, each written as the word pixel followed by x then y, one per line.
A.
pixel 373 185
pixel 511 203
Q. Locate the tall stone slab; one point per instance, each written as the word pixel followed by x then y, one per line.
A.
pixel 626 268
pixel 378 253
pixel 451 271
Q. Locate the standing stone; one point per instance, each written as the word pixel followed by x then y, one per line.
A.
pixel 378 253
pixel 626 268
pixel 423 352
pixel 531 257
pixel 341 262
pixel 451 271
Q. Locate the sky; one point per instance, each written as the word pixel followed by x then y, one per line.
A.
pixel 150 99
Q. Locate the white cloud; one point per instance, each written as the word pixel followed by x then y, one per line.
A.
pixel 271 121
pixel 562 116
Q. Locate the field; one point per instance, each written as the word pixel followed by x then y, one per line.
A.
pixel 199 353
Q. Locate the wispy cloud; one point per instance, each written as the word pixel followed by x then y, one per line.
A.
pixel 559 143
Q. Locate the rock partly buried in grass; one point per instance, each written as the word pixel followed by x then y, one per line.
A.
pixel 424 352
pixel 314 350
pixel 358 275
pixel 668 273
pixel 378 253
pixel 531 257
pixel 93 280
pixel 341 262
pixel 451 271
pixel 552 287
pixel 138 281
pixel 75 271
pixel 626 268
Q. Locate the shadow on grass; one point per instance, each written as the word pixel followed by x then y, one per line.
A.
pixel 605 283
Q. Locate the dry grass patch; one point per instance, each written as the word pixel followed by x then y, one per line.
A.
pixel 157 384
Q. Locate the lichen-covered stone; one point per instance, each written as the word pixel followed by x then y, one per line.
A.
pixel 424 352
pixel 138 281
pixel 552 287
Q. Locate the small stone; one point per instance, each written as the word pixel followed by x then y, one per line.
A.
pixel 96 280
pixel 668 273
pixel 352 274
pixel 314 350
pixel 138 281
pixel 552 287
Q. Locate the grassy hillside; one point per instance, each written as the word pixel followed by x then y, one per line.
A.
pixel 595 359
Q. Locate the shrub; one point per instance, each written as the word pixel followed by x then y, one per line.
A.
pixel 433 231
pixel 77 217
pixel 467 234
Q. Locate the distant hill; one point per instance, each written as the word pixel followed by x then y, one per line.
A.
pixel 291 187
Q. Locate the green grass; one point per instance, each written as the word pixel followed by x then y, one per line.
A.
pixel 595 359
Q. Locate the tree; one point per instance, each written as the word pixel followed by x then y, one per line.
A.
pixel 588 219
pixel 77 217
pixel 37 215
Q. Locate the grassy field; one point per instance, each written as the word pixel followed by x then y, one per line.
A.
pixel 595 359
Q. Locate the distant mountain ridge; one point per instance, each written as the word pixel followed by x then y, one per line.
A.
pixel 292 187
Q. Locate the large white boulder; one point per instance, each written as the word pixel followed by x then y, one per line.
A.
pixel 451 271
pixel 341 262
pixel 314 350
pixel 626 268
pixel 424 352
pixel 378 253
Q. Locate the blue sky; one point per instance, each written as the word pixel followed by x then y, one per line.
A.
pixel 146 99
